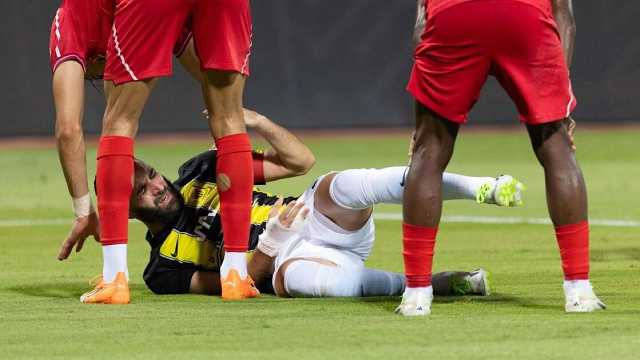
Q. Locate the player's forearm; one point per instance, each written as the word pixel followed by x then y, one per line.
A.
pixel 260 267
pixel 421 21
pixel 563 14
pixel 71 151
pixel 68 96
pixel 286 147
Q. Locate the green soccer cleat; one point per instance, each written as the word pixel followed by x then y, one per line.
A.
pixel 504 191
pixel 479 281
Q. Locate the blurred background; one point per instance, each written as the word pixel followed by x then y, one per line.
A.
pixel 323 64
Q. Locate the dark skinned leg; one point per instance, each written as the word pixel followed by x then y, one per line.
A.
pixel 566 190
pixel 434 142
pixel 422 199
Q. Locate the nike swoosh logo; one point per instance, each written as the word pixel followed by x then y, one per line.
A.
pixel 175 251
pixel 404 177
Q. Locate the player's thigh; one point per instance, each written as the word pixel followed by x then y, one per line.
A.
pixel 347 219
pixel 530 64
pixel 222 31
pixel 451 64
pixel 125 104
pixel 144 34
pixel 68 94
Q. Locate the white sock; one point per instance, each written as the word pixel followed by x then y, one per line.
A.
pixel 234 260
pixel 362 188
pixel 576 284
pixel 455 187
pixel 311 279
pixel 410 291
pixel 114 260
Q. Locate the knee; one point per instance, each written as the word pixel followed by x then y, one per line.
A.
pixel 68 130
pixel 223 79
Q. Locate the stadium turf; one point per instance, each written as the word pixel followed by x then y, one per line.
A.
pixel 41 316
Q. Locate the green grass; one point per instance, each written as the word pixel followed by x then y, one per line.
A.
pixel 42 318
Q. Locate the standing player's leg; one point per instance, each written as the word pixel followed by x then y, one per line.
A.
pixel 567 203
pixel 137 54
pixel 422 206
pixel 222 34
pixel 531 66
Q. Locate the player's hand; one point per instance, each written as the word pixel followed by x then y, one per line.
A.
pixel 571 127
pixel 82 228
pixel 292 212
pixel 282 224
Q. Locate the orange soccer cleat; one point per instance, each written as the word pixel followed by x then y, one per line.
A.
pixel 116 292
pixel 235 288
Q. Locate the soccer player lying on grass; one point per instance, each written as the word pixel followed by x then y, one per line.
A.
pixel 324 256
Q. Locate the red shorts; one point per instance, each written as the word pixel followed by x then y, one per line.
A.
pixel 137 50
pixel 80 31
pixel 516 42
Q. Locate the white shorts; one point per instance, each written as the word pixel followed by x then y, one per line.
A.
pixel 322 238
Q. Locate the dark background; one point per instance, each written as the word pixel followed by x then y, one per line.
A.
pixel 323 64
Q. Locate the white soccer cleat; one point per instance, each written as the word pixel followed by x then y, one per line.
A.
pixel 479 281
pixel 581 298
pixel 416 302
pixel 505 191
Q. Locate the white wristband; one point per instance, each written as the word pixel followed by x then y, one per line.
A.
pixel 82 206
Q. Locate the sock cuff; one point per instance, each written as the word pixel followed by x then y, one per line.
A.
pixel 258 169
pixel 115 145
pixel 416 231
pixel 233 143
pixel 572 228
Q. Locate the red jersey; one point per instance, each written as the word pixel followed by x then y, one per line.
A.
pixel 436 6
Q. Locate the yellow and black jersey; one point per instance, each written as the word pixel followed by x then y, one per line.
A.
pixel 195 242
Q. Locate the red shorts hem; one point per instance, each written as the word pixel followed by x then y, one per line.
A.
pixel 551 117
pixel 68 57
pixel 232 67
pixel 182 46
pixel 121 79
pixel 439 110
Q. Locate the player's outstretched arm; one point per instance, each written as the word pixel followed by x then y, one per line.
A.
pixel 288 156
pixel 68 94
pixel 563 14
pixel 421 22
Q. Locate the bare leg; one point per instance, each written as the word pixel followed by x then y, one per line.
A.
pixel 566 190
pixel 435 140
pixel 223 95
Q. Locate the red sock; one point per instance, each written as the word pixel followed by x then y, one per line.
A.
pixel 418 243
pixel 113 186
pixel 573 241
pixel 235 162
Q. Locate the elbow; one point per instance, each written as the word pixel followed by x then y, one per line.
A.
pixel 305 164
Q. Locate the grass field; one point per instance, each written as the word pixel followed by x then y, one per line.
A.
pixel 524 319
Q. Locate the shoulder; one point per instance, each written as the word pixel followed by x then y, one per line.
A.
pixel 201 165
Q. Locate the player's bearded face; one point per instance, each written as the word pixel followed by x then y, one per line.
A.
pixel 153 199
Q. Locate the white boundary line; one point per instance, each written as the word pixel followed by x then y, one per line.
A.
pixel 509 220
pixel 382 217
